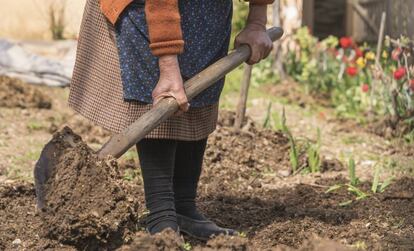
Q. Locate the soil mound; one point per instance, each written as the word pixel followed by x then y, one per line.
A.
pixel 87 205
pixel 388 129
pixel 316 244
pixel 19 222
pixel 226 243
pixel 165 241
pixel 169 240
pixel 242 154
pixel 247 149
pixel 16 93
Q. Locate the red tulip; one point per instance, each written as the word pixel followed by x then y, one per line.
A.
pixel 345 42
pixel 412 84
pixel 395 55
pixel 352 71
pixel 399 73
pixel 365 88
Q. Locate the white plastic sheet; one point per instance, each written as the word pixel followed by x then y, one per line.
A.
pixel 18 62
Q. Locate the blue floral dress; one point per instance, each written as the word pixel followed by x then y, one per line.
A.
pixel 206 27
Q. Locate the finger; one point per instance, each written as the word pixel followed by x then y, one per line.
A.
pixel 255 57
pixel 236 42
pixel 182 101
pixel 162 96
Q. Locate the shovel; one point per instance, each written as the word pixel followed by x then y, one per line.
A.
pixel 118 144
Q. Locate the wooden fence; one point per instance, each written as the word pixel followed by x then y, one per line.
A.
pixel 359 18
pixel 400 18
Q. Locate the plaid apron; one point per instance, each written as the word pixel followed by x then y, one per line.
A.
pixel 96 89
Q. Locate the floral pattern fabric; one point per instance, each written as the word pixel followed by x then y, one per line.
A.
pixel 206 27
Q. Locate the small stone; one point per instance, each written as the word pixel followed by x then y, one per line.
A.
pixel 284 173
pixel 17 242
pixel 96 214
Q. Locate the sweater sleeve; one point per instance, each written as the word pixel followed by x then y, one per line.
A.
pixel 260 1
pixel 164 27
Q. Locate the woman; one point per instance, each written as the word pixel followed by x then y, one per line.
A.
pixel 132 54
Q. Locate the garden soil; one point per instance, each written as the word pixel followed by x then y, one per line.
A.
pixel 87 203
pixel 16 93
pixel 245 185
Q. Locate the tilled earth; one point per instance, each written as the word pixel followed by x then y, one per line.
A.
pixel 16 93
pixel 90 206
pixel 246 184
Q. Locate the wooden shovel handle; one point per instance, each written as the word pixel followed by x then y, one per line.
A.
pixel 118 144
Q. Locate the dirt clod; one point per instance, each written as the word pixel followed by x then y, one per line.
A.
pixel 226 243
pixel 165 241
pixel 86 201
pixel 16 93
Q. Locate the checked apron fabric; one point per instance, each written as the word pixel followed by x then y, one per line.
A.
pixel 96 89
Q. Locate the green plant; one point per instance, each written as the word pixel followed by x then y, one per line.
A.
pixel 57 23
pixel 242 234
pixel 187 246
pixel 313 153
pixel 264 73
pixel 378 186
pixel 293 152
pixel 360 245
pixel 352 175
pixel 131 174
pixel 351 78
pixel 359 194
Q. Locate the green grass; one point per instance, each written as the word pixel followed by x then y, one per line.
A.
pixel 35 125
pixel 352 139
pixel 131 154
pixel 21 166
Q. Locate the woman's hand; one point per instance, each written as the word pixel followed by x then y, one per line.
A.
pixel 170 83
pixel 254 34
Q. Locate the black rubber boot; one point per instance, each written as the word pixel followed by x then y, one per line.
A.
pixel 201 229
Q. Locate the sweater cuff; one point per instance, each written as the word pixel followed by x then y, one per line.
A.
pixel 260 2
pixel 167 47
pixel 164 27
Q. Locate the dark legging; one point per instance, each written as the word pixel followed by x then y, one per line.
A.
pixel 171 170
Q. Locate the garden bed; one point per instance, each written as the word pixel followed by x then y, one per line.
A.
pixel 93 207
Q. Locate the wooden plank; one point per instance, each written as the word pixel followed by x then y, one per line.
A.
pixel 380 38
pixel 308 17
pixel 360 11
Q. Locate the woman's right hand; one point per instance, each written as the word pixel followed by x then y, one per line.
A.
pixel 170 83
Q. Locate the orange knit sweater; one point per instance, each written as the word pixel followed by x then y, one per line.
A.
pixel 163 19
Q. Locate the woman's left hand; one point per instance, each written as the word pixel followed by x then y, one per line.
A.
pixel 256 37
